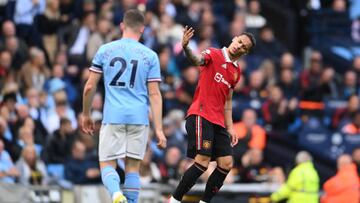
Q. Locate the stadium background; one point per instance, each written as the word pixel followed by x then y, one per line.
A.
pixel 299 89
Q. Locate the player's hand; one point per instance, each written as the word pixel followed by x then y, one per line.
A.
pixel 233 136
pixel 88 125
pixel 188 33
pixel 161 139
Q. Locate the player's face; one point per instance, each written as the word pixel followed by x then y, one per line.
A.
pixel 239 46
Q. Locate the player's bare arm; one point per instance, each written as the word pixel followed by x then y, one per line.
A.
pixel 88 95
pixel 228 119
pixel 156 109
pixel 194 58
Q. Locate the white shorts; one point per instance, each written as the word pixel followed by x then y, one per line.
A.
pixel 119 141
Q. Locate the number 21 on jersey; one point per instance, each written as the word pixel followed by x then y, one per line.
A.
pixel 115 81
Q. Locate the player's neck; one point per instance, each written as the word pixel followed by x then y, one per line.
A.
pixel 130 35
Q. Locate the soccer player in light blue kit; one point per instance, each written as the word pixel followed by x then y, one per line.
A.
pixel 131 74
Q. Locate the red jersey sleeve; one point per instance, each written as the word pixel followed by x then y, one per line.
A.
pixel 207 56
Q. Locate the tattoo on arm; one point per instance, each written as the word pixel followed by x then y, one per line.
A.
pixel 194 59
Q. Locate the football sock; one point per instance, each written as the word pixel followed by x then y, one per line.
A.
pixel 214 183
pixel 111 180
pixel 188 180
pixel 132 187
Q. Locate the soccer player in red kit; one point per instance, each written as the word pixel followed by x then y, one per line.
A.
pixel 209 119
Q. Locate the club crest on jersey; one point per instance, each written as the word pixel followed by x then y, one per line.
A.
pixel 224 65
pixel 206 144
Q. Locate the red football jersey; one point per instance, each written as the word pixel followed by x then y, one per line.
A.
pixel 217 76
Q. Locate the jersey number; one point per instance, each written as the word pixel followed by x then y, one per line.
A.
pixel 114 81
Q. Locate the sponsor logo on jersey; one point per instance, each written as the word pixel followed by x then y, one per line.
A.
pixel 220 79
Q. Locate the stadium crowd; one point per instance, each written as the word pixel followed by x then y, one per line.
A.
pixel 46 47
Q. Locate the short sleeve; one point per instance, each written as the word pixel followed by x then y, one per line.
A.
pixel 154 72
pixel 97 62
pixel 207 56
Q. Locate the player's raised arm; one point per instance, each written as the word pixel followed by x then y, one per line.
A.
pixel 228 118
pixel 156 109
pixel 88 95
pixel 194 58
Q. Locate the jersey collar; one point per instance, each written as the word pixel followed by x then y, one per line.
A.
pixel 227 58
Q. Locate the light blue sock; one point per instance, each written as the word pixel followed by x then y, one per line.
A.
pixel 110 179
pixel 132 187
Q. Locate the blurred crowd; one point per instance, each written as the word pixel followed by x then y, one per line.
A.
pixel 46 47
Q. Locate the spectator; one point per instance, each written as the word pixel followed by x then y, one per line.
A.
pixel 253 17
pixel 268 69
pixel 251 135
pixel 5 65
pixel 98 38
pixel 169 73
pixel 353 127
pixel 268 46
pixel 18 50
pixel 62 109
pixel 339 6
pixel 188 86
pixel 173 139
pixel 300 187
pixel 350 85
pixel 329 83
pixel 192 15
pixel 343 115
pixel 311 82
pixel 59 145
pixel 287 61
pixel 288 84
pixel 79 169
pixel 8 171
pixel 25 12
pixel 59 78
pixel 277 111
pixel 49 24
pixel 75 38
pixel 255 170
pixel 26 137
pixel 169 32
pixel 32 169
pixel 34 73
pixel 255 89
pixel 169 166
pixel 344 186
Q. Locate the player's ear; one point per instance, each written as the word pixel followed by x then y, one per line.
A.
pixel 122 27
pixel 142 28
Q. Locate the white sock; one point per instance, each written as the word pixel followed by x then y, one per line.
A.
pixel 202 201
pixel 116 194
pixel 173 200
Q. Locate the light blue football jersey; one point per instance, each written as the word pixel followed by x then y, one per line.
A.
pixel 126 66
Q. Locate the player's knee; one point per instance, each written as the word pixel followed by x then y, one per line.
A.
pixel 226 164
pixel 202 160
pixel 132 165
